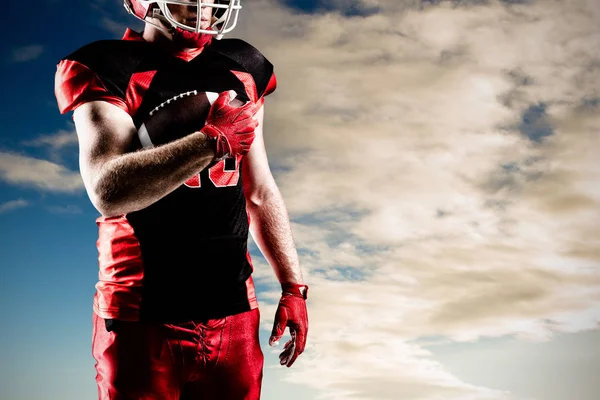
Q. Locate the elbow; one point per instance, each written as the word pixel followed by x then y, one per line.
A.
pixel 107 210
pixel 104 205
pixel 104 199
pixel 258 197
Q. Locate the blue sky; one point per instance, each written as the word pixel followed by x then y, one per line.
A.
pixel 439 163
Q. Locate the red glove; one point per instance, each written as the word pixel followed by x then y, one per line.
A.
pixel 291 312
pixel 231 127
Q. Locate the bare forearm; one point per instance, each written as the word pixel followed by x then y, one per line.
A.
pixel 133 181
pixel 270 229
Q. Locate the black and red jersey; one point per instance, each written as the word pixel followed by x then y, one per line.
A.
pixel 184 257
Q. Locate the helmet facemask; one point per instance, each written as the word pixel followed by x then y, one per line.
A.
pixel 224 15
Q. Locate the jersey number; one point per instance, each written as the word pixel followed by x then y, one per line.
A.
pixel 224 173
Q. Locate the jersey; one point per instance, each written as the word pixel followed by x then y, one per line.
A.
pixel 184 257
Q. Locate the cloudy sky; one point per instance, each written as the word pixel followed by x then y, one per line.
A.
pixel 439 160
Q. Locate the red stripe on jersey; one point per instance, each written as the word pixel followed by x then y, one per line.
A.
pixel 75 84
pixel 252 300
pixel 132 35
pixel 118 291
pixel 249 84
pixel 137 88
pixel 250 290
pixel 271 86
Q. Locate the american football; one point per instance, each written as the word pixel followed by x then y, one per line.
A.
pixel 178 117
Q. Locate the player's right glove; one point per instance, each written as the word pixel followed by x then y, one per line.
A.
pixel 231 127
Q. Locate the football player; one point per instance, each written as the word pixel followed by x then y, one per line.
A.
pixel 169 123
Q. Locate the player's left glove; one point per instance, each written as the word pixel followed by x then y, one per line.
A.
pixel 291 312
pixel 231 127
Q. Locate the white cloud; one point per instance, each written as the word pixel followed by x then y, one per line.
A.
pixel 27 53
pixel 68 209
pixel 13 205
pixel 56 141
pixel 398 134
pixel 57 146
pixel 117 28
pixel 40 174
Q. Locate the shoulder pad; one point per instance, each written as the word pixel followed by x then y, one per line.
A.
pixel 113 61
pixel 249 59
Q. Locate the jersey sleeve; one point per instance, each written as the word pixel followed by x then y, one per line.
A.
pixel 75 84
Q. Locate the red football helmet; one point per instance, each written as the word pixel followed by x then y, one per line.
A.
pixel 224 15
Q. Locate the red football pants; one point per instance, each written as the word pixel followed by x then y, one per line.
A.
pixel 220 359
